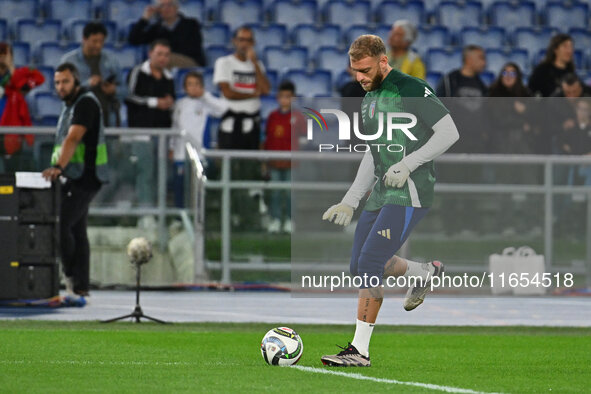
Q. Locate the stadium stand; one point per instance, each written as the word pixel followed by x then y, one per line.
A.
pixel 236 13
pixel 389 11
pixel 273 34
pixel 216 34
pixel 67 10
pixel 508 15
pixel 313 37
pixel 559 15
pixel 290 14
pixel 281 59
pixel 443 60
pixel 490 37
pixel 74 30
pixel 311 84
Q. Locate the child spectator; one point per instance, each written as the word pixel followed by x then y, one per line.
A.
pixel 190 115
pixel 280 125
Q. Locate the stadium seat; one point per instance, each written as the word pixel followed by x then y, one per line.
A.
pixel 47 104
pixel 345 14
pixel 561 15
pixel 127 55
pixel 21 53
pixel 342 78
pixel 433 78
pixel 30 31
pixel 310 84
pixel 47 85
pixel 66 10
pixel 332 59
pixel 273 77
pixel 581 37
pixel 193 9
pixel 388 12
pixel 125 73
pixel 50 53
pixel 125 12
pixel 3 30
pixel 487 77
pixel 76 28
pixel 280 59
pixel 533 40
pixel 237 13
pixel 510 15
pixel 14 10
pixel 383 31
pixel 491 37
pixel 496 58
pixel 313 37
pixel 432 37
pixel 443 61
pixel 271 35
pixel 355 31
pixel 216 34
pixel 290 14
pixel 208 80
pixel 456 16
pixel 213 52
pixel 268 105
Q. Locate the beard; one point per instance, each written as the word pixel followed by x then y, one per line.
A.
pixel 375 82
pixel 68 98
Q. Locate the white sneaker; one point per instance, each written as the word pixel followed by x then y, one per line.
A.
pixel 69 281
pixel 415 295
pixel 274 226
pixel 287 226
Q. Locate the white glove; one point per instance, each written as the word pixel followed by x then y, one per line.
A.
pixel 396 175
pixel 341 213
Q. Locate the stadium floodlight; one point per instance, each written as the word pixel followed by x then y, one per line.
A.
pixel 139 252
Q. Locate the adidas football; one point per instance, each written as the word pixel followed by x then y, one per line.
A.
pixel 282 346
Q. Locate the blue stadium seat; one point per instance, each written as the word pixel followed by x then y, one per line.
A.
pixel 47 104
pixel 290 14
pixel 47 85
pixel 126 55
pixel 268 105
pixel 443 61
pixel 333 59
pixel 311 84
pixel 510 15
pixel 578 55
pixel 342 78
pixel 125 12
pixel 30 31
pixel 533 40
pixel 383 31
pixel 345 14
pixel 76 28
pixel 560 15
pixel 355 31
pixel 13 10
pixel 313 37
pixel 491 37
pixel 213 52
pixel 3 30
pixel 456 16
pixel 125 73
pixel 216 34
pixel 273 77
pixel 389 11
pixel 21 53
pixel 237 13
pixel 496 58
pixel 280 59
pixel 271 35
pixel 193 9
pixel 432 37
pixel 487 77
pixel 433 78
pixel 50 53
pixel 581 37
pixel 65 10
pixel 208 80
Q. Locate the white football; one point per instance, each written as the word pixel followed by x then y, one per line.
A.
pixel 282 346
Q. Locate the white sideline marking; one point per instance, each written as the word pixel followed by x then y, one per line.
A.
pixel 94 362
pixel 359 376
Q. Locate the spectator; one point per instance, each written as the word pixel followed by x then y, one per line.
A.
pixel 401 57
pixel 14 84
pixel 99 71
pixel 190 115
pixel 281 125
pixel 571 86
pixel 242 80
pixel 546 77
pixel 163 21
pixel 149 104
pixel 510 127
pixel 466 81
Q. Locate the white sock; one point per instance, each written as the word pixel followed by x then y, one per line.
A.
pixel 362 336
pixel 69 281
pixel 421 270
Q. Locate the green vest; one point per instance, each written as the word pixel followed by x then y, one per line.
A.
pixel 75 167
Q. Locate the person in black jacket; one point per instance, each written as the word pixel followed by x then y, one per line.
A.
pixel 546 77
pixel 149 105
pixel 163 21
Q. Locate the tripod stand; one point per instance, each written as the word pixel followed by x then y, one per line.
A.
pixel 137 312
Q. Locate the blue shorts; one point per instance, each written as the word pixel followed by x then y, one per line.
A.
pixel 379 235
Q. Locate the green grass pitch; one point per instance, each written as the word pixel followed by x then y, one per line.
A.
pixel 74 357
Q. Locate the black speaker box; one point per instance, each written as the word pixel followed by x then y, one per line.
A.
pixel 38 281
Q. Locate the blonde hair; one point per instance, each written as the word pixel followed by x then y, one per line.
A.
pixel 367 45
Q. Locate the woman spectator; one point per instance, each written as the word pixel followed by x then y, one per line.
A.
pixel 547 75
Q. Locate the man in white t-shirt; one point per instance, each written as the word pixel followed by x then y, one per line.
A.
pixel 242 80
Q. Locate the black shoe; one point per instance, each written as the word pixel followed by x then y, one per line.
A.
pixel 349 357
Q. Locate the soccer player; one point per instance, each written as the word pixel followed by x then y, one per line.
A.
pixel 402 184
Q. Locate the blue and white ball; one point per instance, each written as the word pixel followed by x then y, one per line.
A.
pixel 282 346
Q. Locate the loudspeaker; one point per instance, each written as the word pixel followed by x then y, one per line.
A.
pixel 38 281
pixel 37 243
